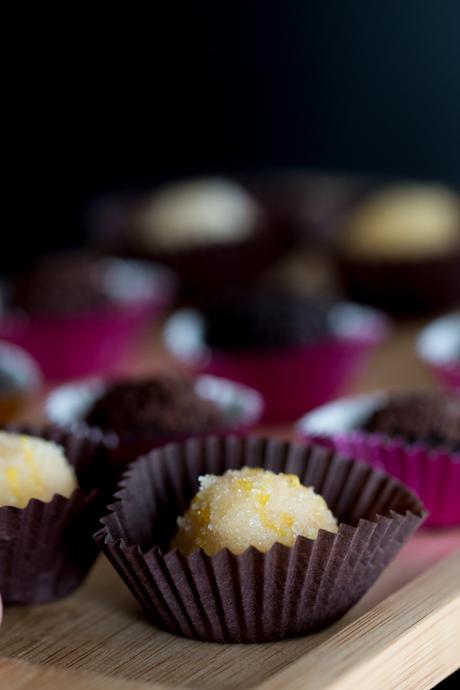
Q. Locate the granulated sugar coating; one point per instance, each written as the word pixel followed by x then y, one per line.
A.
pixel 32 468
pixel 251 507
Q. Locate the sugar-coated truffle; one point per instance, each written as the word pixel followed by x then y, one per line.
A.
pixel 32 468
pixel 404 222
pixel 197 212
pixel 251 507
pixel 430 417
pixel 164 405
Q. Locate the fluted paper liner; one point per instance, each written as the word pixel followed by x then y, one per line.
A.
pixel 433 473
pixel 253 597
pixel 46 548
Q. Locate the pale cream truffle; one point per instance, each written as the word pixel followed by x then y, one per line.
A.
pixel 32 468
pixel 405 222
pixel 197 212
pixel 251 507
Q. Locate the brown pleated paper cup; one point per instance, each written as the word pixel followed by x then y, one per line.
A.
pixel 46 548
pixel 253 597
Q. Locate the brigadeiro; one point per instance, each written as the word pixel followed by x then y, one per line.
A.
pixel 251 507
pixel 164 406
pixel 267 321
pixel 136 415
pixel 296 351
pixel 246 539
pixel 428 417
pixel 414 436
pixel 399 248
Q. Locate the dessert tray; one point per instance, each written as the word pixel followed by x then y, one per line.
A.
pixel 404 634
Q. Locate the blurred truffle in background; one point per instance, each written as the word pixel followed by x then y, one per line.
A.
pixel 399 248
pixel 212 232
pixel 196 213
pixel 297 352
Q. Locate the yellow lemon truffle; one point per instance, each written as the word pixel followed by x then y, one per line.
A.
pixel 251 507
pixel 405 222
pixel 32 468
pixel 197 212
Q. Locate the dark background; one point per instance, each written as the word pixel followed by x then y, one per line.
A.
pixel 106 95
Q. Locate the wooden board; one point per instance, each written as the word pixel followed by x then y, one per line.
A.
pixel 404 634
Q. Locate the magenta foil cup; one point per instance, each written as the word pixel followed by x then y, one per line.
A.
pixel 74 345
pixel 434 474
pixel 438 345
pixel 253 596
pixel 291 380
pixel 67 406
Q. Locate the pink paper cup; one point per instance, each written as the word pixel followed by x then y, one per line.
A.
pixel 290 380
pixel 67 406
pixel 433 474
pixel 94 342
pixel 438 345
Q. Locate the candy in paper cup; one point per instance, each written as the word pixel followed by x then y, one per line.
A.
pixel 434 474
pixel 291 380
pixel 254 596
pixel 438 345
pixel 67 406
pixel 203 269
pixel 46 548
pixel 74 345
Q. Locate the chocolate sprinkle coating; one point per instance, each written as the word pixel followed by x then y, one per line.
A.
pixel 429 417
pixel 162 406
pixel 267 321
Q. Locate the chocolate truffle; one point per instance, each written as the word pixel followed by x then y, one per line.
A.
pixel 429 417
pixel 32 468
pixel 266 321
pixel 251 507
pixel 406 222
pixel 196 213
pixel 162 406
